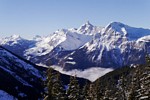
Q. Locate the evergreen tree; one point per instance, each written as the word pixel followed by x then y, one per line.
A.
pixel 58 92
pixel 91 92
pixel 98 93
pixel 132 91
pixel 137 82
pixel 123 87
pixel 132 95
pixel 85 90
pixel 145 83
pixel 49 84
pixel 73 91
pixel 137 89
pixel 147 60
pixel 106 93
pixel 146 76
pixel 55 90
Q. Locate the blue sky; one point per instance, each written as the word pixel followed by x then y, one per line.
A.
pixel 41 17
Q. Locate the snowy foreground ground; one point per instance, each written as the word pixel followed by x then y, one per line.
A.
pixel 5 96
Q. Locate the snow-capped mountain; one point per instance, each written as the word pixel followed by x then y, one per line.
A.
pixel 115 46
pixel 52 47
pixel 19 77
pixel 16 44
pixel 131 33
pixel 64 39
pixel 88 52
pixel 88 29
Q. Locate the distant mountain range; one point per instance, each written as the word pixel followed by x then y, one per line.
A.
pixel 113 46
pixel 87 52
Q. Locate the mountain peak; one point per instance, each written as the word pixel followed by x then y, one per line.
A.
pixel 15 36
pixel 11 40
pixel 115 24
pixel 88 23
pixel 37 38
pixel 86 28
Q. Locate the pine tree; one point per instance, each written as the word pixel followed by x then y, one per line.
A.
pixel 58 92
pixel 49 84
pixel 106 93
pixel 91 92
pixel 132 90
pixel 138 89
pixel 123 87
pixel 147 77
pixel 147 60
pixel 145 83
pixel 137 82
pixel 98 92
pixel 142 81
pixel 132 95
pixel 85 89
pixel 73 91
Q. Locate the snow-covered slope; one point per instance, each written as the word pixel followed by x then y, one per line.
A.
pixel 116 45
pixel 19 75
pixel 17 44
pixel 10 40
pixel 88 29
pixel 5 96
pixel 131 33
pixel 64 40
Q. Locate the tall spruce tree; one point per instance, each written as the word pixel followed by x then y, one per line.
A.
pixel 145 80
pixel 132 90
pixel 106 93
pixel 97 89
pixel 49 84
pixel 123 87
pixel 147 60
pixel 137 82
pixel 58 92
pixel 73 92
pixel 91 92
pixel 85 90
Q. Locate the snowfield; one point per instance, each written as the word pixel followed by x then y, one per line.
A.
pixel 5 96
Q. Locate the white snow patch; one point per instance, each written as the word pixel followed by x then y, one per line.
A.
pixel 69 62
pixel 70 58
pixel 5 96
pixel 42 65
pixel 144 97
pixel 144 39
pixel 22 94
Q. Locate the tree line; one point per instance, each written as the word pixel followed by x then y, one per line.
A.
pixel 127 83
